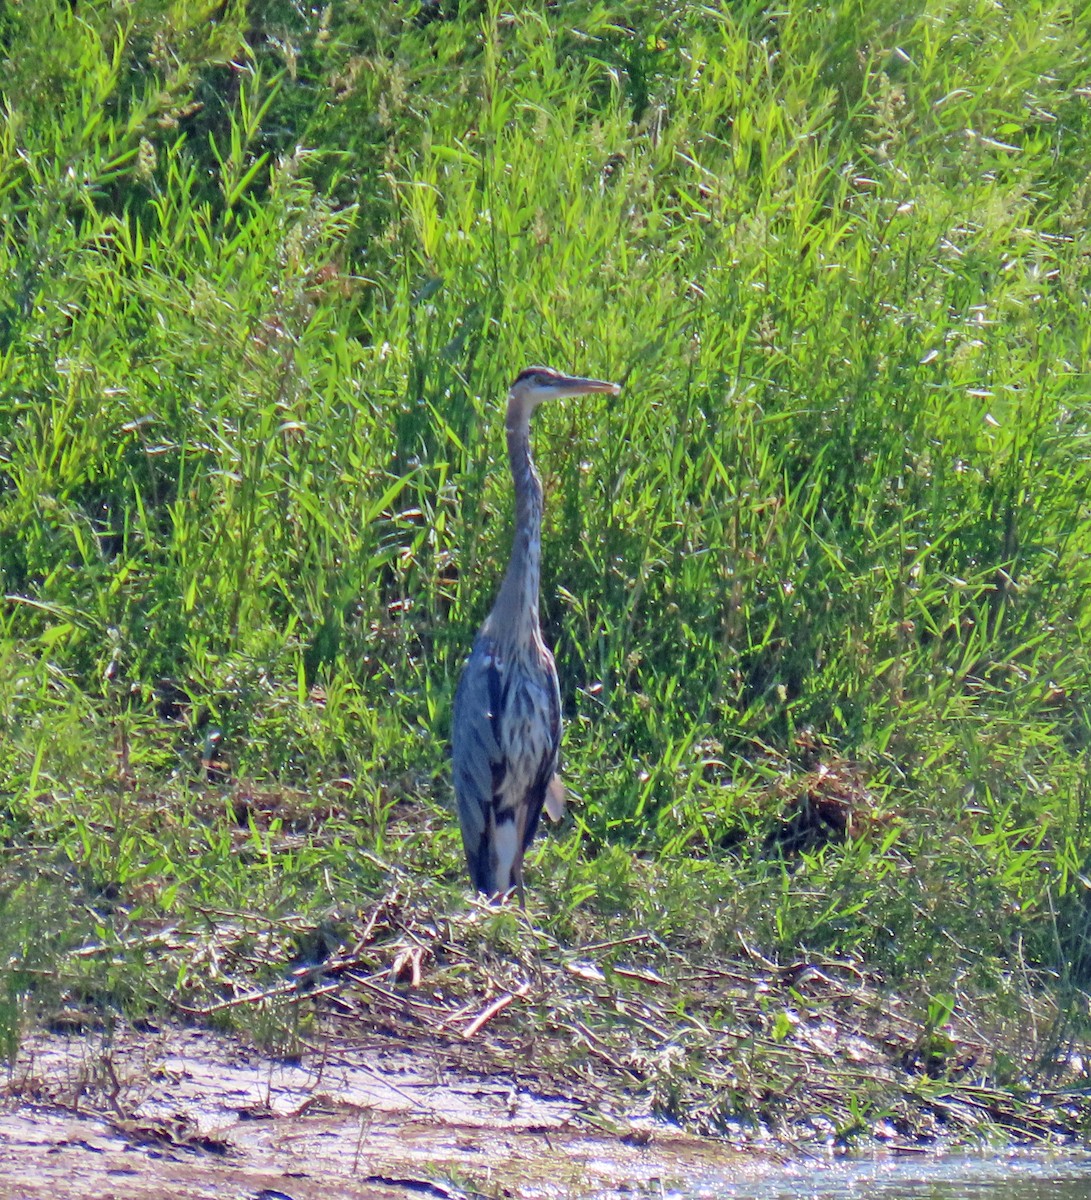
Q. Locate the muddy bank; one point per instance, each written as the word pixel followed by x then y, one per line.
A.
pixel 409 1049
pixel 185 1113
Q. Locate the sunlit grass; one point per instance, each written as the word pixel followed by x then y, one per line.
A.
pixel 260 312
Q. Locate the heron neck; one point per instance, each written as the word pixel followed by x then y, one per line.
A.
pixel 516 607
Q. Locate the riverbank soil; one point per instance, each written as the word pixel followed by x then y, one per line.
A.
pixel 186 1113
pixel 473 1054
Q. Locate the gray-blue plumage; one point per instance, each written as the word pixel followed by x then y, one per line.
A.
pixel 506 729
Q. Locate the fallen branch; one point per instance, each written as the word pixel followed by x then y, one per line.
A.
pixel 497 1006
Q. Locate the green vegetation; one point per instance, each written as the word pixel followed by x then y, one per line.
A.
pixel 817 582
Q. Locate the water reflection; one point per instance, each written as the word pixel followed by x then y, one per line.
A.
pixel 1014 1177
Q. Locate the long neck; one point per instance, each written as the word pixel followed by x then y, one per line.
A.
pixel 516 607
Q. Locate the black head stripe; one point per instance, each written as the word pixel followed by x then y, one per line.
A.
pixel 535 374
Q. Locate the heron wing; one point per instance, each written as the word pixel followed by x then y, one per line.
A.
pixel 476 755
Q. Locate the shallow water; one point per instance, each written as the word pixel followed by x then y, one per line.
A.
pixel 1003 1177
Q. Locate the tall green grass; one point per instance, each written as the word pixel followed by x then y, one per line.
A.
pixel 267 273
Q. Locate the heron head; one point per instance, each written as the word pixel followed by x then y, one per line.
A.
pixel 534 384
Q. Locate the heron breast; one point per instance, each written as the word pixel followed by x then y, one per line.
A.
pixel 529 730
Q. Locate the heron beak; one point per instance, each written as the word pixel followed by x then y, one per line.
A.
pixel 578 385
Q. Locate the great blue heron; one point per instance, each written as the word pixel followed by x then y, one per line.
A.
pixel 507 717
